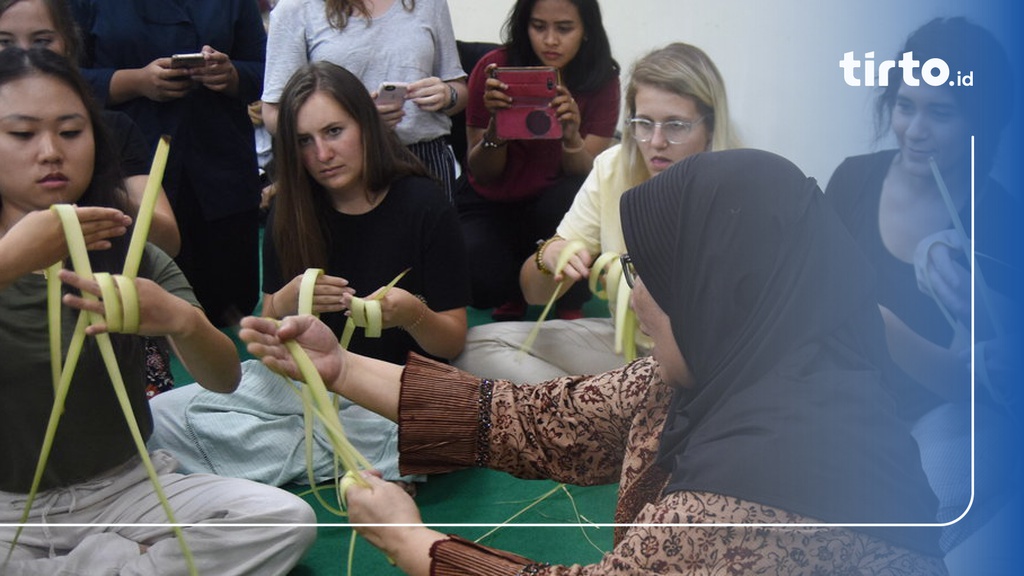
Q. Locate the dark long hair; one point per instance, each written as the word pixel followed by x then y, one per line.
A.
pixel 107 185
pixel 593 64
pixel 964 46
pixel 63 24
pixel 300 231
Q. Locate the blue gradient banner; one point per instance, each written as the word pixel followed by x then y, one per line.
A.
pixel 951 78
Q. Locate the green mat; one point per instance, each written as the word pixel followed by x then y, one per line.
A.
pixel 480 496
pixel 474 496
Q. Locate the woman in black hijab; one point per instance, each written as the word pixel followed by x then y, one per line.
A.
pixel 765 400
pixel 771 304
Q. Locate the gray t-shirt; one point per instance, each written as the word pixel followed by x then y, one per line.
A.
pixel 399 46
pixel 92 436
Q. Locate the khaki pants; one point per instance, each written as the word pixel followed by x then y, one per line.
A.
pixel 100 527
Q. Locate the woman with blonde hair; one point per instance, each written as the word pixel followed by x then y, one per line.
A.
pixel 676 106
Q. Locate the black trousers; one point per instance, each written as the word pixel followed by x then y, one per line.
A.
pixel 501 235
pixel 220 258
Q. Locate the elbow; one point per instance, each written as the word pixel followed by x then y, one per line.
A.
pixel 232 380
pixel 456 349
pixel 172 243
pixel 236 378
pixel 533 293
pixel 269 113
pixel 451 347
pixel 451 350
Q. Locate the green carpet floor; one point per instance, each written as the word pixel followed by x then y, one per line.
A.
pixel 474 496
pixel 479 496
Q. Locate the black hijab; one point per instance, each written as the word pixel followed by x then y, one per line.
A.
pixel 771 305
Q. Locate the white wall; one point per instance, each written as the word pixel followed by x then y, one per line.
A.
pixel 779 58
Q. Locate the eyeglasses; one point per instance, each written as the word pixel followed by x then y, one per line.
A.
pixel 628 270
pixel 675 131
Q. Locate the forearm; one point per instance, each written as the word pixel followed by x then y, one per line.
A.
pixel 487 164
pixel 578 156
pixel 207 353
pixel 125 85
pixel 281 303
pixel 11 267
pixel 373 384
pixel 411 550
pixel 537 287
pixel 163 231
pixel 936 368
pixel 441 334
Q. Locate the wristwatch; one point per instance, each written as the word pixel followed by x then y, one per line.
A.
pixel 453 100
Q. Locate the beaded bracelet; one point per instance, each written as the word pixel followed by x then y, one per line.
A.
pixel 423 314
pixel 538 258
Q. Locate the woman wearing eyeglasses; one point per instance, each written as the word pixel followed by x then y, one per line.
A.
pixel 676 106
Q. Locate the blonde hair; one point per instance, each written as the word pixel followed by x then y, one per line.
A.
pixel 687 71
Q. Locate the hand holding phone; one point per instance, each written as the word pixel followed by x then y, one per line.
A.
pixel 391 93
pixel 530 116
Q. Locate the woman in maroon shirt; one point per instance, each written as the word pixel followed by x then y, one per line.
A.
pixel 518 190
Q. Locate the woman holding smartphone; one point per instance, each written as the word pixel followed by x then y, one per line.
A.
pixel 212 177
pixel 518 190
pixel 396 41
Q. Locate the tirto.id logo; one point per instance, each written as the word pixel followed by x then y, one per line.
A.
pixel 934 71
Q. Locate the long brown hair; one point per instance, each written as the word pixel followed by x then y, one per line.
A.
pixel 339 11
pixel 300 231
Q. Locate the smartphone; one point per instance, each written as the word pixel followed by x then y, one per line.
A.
pixel 531 117
pixel 193 60
pixel 391 93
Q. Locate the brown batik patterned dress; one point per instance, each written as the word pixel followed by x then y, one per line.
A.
pixel 591 430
